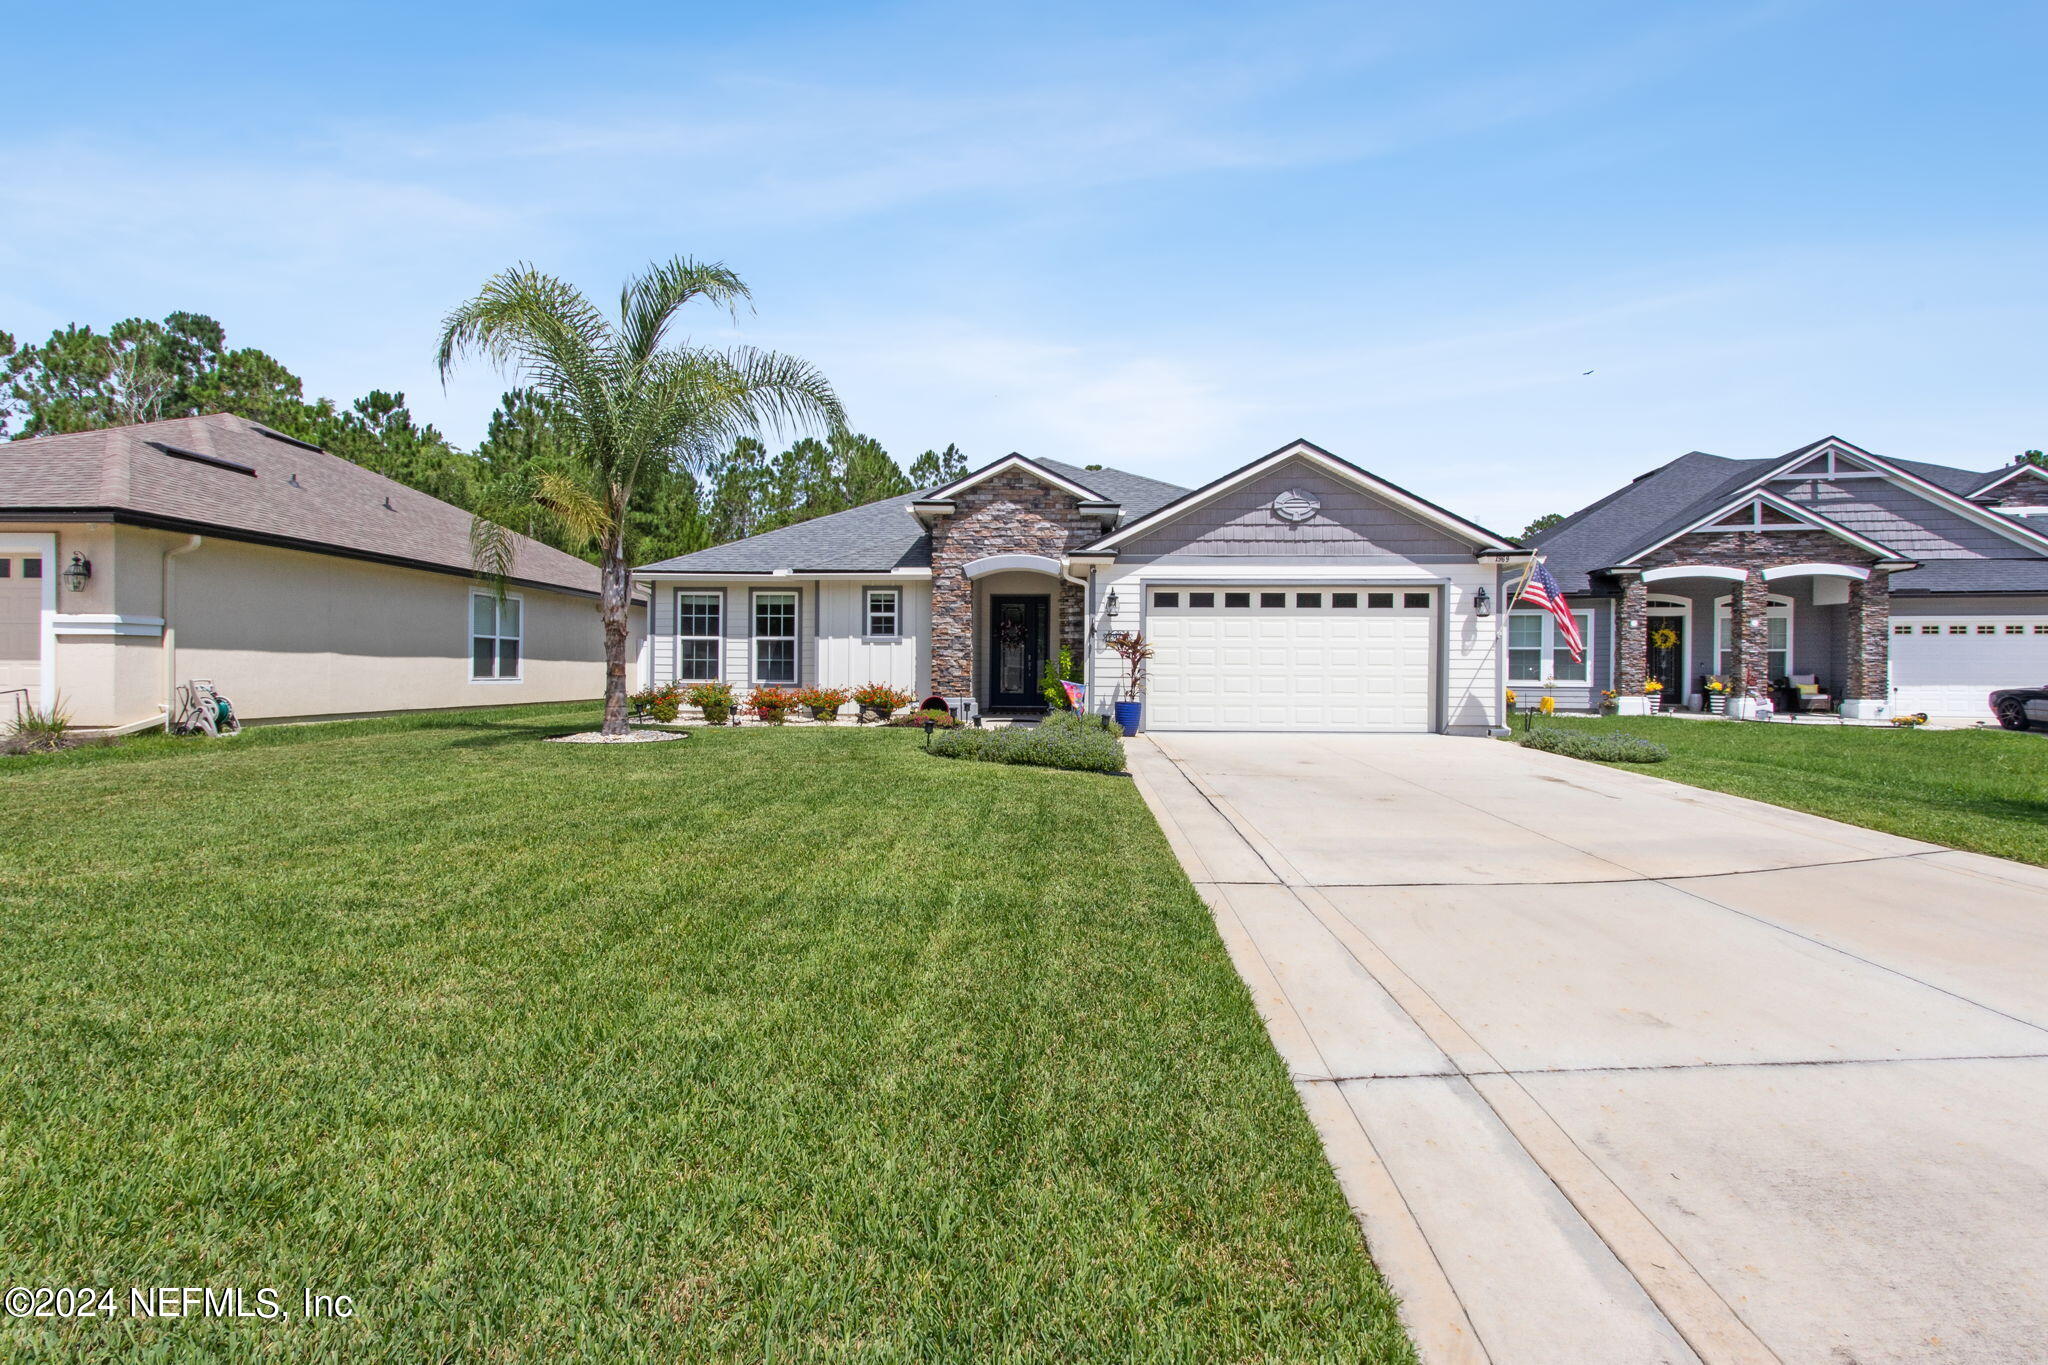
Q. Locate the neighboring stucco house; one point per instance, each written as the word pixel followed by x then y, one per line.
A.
pixel 1901 586
pixel 138 558
pixel 1299 592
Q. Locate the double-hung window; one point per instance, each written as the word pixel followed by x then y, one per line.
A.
pixel 700 624
pixel 495 631
pixel 775 637
pixel 1538 651
pixel 882 609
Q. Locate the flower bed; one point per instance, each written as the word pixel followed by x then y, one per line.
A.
pixel 1064 740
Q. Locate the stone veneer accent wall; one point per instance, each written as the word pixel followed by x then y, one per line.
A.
pixel 1012 513
pixel 1869 609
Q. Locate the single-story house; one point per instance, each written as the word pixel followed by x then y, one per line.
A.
pixel 137 558
pixel 1299 592
pixel 1899 586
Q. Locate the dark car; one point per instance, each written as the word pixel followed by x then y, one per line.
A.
pixel 2019 707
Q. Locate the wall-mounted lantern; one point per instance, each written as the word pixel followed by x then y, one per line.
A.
pixel 1481 603
pixel 1109 608
pixel 78 572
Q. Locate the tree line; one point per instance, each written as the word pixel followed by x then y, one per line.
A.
pixel 144 371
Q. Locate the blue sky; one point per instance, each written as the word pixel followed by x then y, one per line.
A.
pixel 1166 237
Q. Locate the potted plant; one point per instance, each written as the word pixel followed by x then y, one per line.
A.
pixel 882 699
pixel 1717 695
pixel 1132 647
pixel 822 702
pixel 1653 693
pixel 773 704
pixel 714 699
pixel 1610 701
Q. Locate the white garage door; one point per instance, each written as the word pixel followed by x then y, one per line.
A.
pixel 1312 657
pixel 1948 665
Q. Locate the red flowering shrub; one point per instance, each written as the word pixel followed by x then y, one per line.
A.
pixel 822 702
pixel 773 704
pixel 882 699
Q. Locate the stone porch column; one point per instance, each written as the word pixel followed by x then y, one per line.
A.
pixel 1749 637
pixel 1631 646
pixel 1869 643
pixel 952 633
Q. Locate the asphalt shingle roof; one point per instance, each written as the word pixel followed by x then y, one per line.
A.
pixel 1974 575
pixel 265 487
pixel 879 536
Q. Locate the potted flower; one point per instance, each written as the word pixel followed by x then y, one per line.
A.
pixel 1133 649
pixel 1717 695
pixel 773 704
pixel 714 699
pixel 1610 701
pixel 882 699
pixel 1653 692
pixel 822 702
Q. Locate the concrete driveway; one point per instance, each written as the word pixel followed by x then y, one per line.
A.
pixel 1615 1069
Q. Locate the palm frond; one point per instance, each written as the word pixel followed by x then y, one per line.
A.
pixel 581 514
pixel 704 398
pixel 649 302
pixel 492 551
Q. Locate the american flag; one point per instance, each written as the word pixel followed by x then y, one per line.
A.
pixel 1542 589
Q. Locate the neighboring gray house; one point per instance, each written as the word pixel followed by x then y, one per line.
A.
pixel 1296 593
pixel 1901 586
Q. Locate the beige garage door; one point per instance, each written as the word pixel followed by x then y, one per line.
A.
pixel 21 630
pixel 1306 657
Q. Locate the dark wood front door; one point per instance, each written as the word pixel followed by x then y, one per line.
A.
pixel 1019 633
pixel 1666 661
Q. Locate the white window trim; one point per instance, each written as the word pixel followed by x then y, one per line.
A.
pixel 675 663
pixel 867 615
pixel 41 545
pixel 1779 608
pixel 469 606
pixel 754 637
pixel 1553 641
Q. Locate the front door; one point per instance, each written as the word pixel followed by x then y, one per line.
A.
pixel 1019 630
pixel 1664 653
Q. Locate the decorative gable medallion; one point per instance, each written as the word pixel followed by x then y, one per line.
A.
pixel 1295 505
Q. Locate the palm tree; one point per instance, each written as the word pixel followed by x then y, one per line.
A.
pixel 627 403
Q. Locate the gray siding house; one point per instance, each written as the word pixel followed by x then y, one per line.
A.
pixel 1900 586
pixel 1298 592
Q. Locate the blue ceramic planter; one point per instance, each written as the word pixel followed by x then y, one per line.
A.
pixel 1127 714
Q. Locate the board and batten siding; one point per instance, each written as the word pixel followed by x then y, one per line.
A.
pixel 1469 658
pixel 832 650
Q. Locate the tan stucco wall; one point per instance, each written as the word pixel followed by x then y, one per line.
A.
pixel 289 634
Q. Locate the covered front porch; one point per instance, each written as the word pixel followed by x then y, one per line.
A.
pixel 1749 638
pixel 1000 625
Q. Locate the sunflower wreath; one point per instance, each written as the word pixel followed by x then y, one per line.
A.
pixel 1664 637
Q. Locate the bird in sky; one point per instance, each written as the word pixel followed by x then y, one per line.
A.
pixel 1585 372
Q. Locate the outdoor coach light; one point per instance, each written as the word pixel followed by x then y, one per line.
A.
pixel 1481 603
pixel 1109 607
pixel 78 573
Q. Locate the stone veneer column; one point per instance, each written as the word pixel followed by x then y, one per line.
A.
pixel 952 631
pixel 1073 620
pixel 1631 647
pixel 1869 639
pixel 1749 637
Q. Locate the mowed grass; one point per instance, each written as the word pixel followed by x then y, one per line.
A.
pixel 759 1046
pixel 1982 790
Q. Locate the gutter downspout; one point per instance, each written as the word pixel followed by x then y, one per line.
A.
pixel 170 625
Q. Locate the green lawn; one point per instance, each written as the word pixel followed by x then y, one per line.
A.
pixel 761 1046
pixel 1983 790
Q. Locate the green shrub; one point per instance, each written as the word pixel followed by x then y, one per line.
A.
pixel 1065 740
pixel 1602 747
pixel 714 699
pixel 915 721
